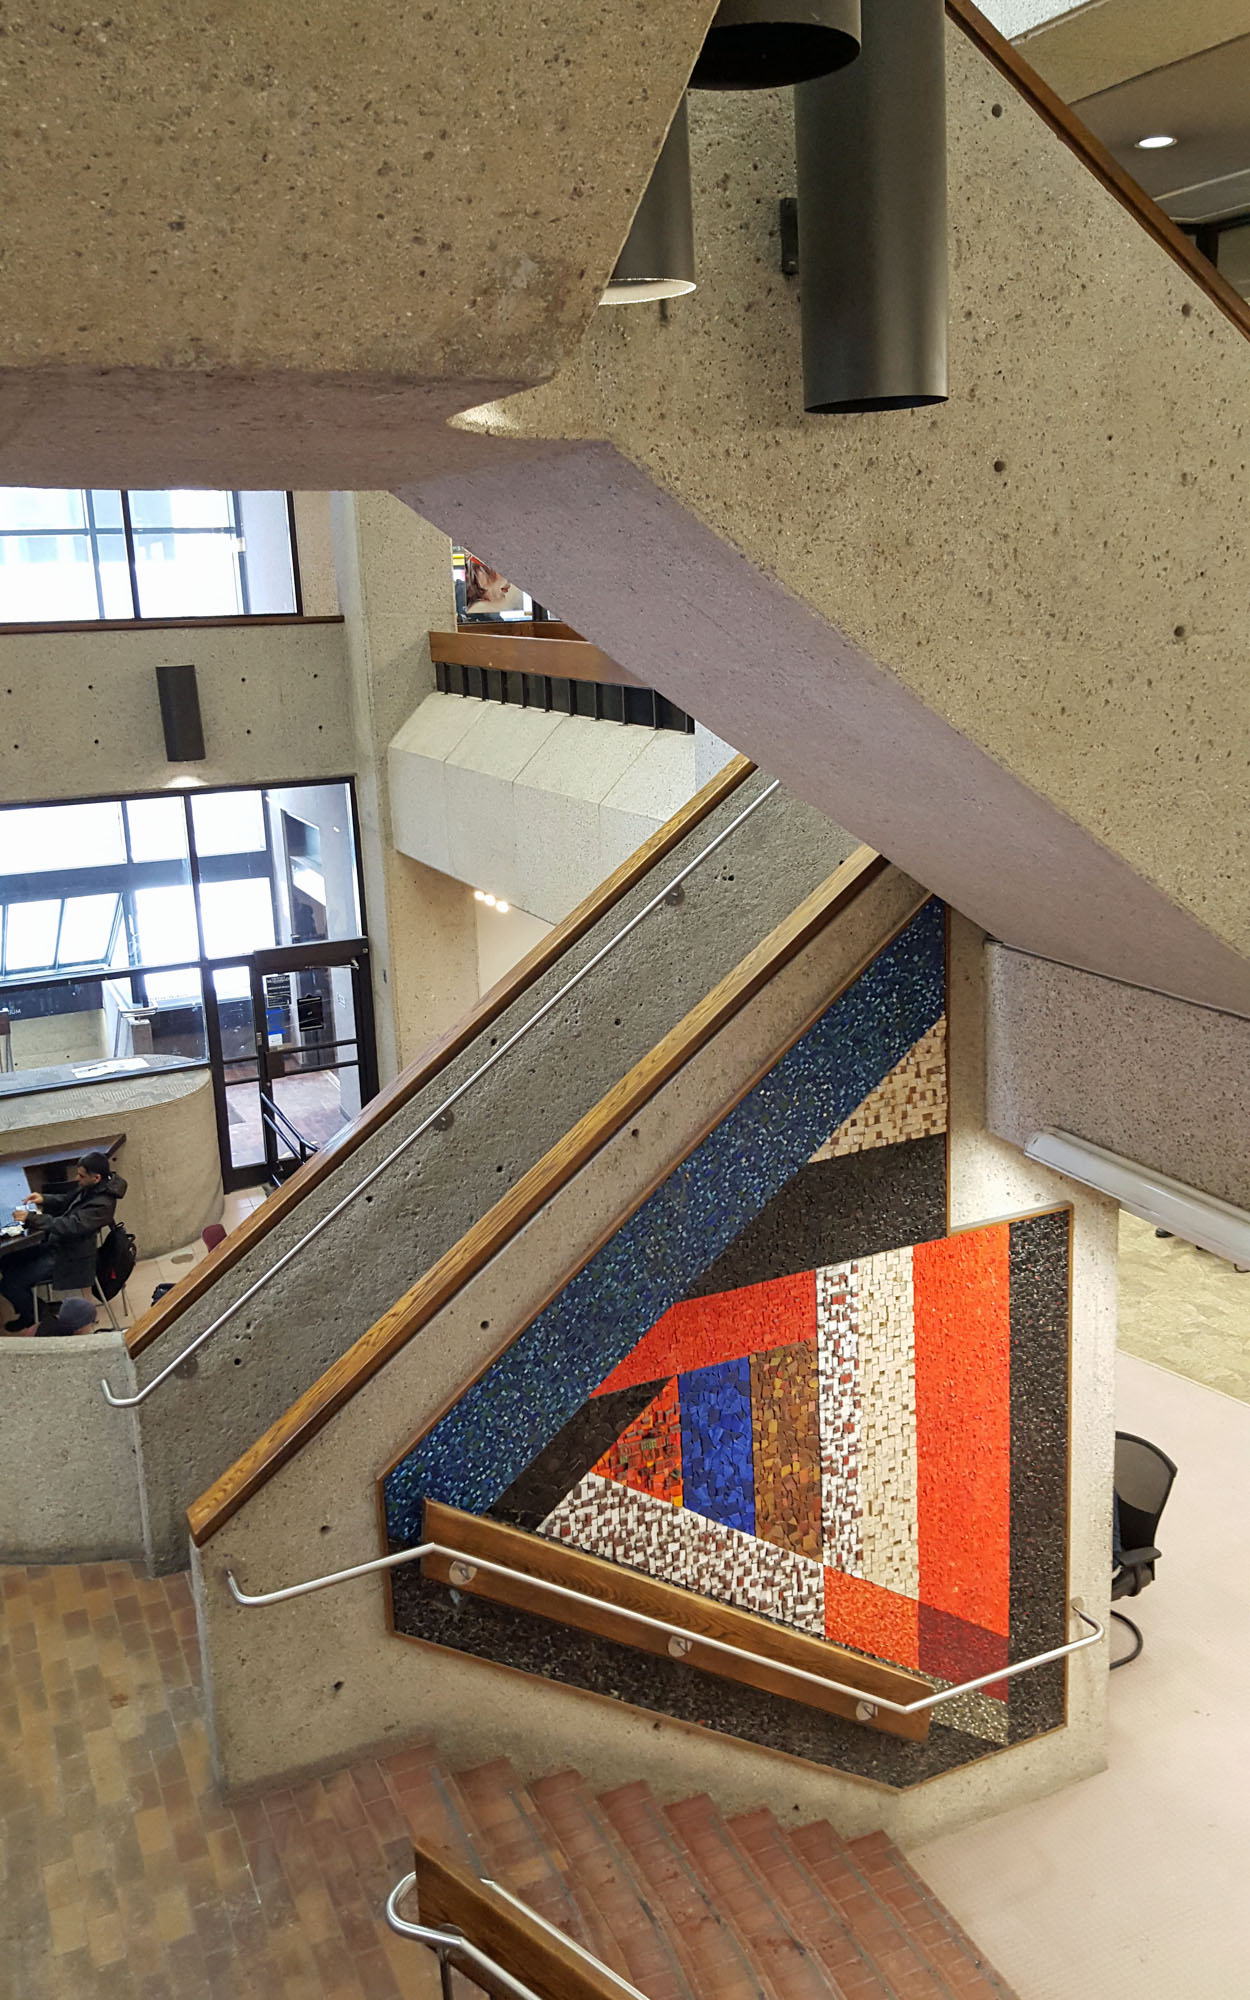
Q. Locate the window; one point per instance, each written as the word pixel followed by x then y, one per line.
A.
pixel 74 556
pixel 114 914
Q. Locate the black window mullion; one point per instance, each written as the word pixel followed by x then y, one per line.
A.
pixel 55 965
pixel 128 529
pixel 194 861
pixel 245 591
pixel 295 576
pixel 93 533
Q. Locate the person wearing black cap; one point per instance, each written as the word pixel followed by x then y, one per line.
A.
pixel 64 1230
pixel 74 1315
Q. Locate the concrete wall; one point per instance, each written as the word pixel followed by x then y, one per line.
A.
pixel 396 587
pixel 337 1681
pixel 1141 1074
pixel 503 939
pixel 534 808
pixel 169 1161
pixel 79 715
pixel 244 1378
pixel 311 232
pixel 69 1488
pixel 1003 640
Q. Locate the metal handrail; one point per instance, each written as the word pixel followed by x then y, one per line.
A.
pixel 680 1640
pixel 453 1943
pixel 289 1256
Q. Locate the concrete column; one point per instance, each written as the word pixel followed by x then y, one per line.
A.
pixel 395 586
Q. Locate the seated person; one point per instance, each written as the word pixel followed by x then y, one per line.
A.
pixel 64 1229
pixel 73 1315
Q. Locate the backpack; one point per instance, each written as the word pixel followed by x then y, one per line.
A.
pixel 115 1260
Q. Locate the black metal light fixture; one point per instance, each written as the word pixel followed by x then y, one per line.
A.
pixel 763 44
pixel 180 714
pixel 871 155
pixel 658 259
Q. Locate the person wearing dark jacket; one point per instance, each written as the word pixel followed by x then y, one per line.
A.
pixel 65 1230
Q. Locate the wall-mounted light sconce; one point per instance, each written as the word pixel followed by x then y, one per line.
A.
pixel 657 261
pixel 871 155
pixel 1184 1211
pixel 763 44
pixel 180 714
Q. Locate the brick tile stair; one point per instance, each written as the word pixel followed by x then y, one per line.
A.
pixel 687 1905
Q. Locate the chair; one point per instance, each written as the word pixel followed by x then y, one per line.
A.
pixel 1143 1480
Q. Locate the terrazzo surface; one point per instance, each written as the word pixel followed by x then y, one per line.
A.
pixel 1183 1309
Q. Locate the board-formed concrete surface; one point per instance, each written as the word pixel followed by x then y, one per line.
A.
pixel 69 1483
pixel 243 1379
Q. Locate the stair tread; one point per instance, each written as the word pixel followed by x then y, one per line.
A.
pixel 791 1968
pixel 898 1956
pixel 716 1962
pixel 965 1968
pixel 514 1849
pixel 811 1913
pixel 606 1876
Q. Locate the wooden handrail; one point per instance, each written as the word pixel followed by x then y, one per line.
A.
pixel 473 1252
pixel 499 647
pixel 1064 122
pixel 449 1897
pixel 436 1058
pixel 608 1584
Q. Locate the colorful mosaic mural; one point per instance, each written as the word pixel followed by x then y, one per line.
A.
pixel 783 1386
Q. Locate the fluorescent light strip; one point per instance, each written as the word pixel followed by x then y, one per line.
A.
pixel 1199 1218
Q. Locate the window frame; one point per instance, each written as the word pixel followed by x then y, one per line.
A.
pixel 90 532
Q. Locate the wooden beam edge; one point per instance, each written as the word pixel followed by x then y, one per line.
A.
pixel 353 1369
pixel 435 1058
pixel 611 1589
pixel 448 1894
pixel 1104 166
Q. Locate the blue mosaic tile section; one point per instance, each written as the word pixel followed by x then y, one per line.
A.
pixel 503 1420
pixel 717 1463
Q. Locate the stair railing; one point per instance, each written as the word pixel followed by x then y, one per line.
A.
pixel 680 1639
pixel 671 892
pixel 451 1945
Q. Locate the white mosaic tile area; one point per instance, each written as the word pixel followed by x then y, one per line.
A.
pixel 841 1451
pixel 887 1379
pixel 677 1546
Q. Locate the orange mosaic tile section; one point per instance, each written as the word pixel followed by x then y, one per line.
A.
pixel 909 1103
pixel 727 1326
pixel 785 1428
pixel 647 1456
pixel 126 1878
pixel 871 1619
pixel 961 1306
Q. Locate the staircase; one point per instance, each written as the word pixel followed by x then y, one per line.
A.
pixel 687 1904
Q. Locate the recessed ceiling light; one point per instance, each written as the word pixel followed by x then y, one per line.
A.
pixel 1154 142
pixel 502 909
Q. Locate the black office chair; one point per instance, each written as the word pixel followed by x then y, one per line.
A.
pixel 1143 1480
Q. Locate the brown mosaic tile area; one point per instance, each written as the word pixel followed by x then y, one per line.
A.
pixel 785 1424
pixel 124 1877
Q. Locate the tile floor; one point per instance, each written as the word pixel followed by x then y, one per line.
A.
pixel 1134 1884
pixel 153 1271
pixel 121 1876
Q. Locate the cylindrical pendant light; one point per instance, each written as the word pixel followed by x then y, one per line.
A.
pixel 871 154
pixel 762 44
pixel 658 259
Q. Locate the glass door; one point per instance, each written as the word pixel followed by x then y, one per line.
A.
pixel 293 1055
pixel 314 1044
